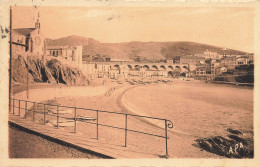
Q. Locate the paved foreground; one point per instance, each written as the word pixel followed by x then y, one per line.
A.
pixel 78 140
pixel 26 144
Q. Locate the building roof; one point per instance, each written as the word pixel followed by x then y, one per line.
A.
pixel 23 31
pixel 61 47
pixel 204 67
pixel 201 66
pixel 55 47
pixel 120 60
pixel 200 55
pixel 191 57
pixel 229 58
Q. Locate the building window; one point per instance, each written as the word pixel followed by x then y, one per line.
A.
pixel 31 45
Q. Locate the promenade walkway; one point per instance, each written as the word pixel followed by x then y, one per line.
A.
pixel 79 140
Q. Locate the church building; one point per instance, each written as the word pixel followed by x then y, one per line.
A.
pixel 29 40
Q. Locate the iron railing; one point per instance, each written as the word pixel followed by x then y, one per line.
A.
pixel 167 123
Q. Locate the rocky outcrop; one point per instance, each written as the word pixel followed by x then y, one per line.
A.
pixel 235 145
pixel 49 70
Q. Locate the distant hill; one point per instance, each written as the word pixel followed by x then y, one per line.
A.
pixel 72 41
pixel 95 50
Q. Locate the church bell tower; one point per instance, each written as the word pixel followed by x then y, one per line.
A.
pixel 38 24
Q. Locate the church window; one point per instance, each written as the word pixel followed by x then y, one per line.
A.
pixel 31 45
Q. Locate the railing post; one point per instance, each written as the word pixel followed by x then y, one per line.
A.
pixel 25 115
pixel 75 120
pixel 166 137
pixel 13 105
pixel 44 116
pixel 19 111
pixel 125 129
pixel 97 124
pixel 57 117
pixel 34 111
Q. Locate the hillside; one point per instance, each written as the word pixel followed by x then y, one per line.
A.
pixel 135 50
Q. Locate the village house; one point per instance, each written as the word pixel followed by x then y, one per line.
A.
pixel 143 73
pixel 212 55
pixel 201 70
pixel 192 61
pixel 229 61
pixel 241 61
pixel 250 59
pixel 221 70
pixel 207 70
pixel 70 53
pixel 169 61
pixel 118 60
pixel 113 73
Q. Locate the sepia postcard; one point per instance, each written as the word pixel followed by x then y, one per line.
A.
pixel 129 83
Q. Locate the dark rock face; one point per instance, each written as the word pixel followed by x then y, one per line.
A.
pixel 39 71
pixel 51 71
pixel 234 131
pixel 231 146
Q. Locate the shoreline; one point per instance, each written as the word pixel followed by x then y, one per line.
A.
pixel 233 83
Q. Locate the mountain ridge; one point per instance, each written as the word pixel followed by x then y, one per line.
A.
pixel 137 50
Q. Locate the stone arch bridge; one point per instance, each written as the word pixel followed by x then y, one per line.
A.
pixel 149 66
pixel 118 69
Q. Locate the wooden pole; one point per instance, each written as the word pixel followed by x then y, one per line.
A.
pixel 125 129
pixel 75 120
pixel 10 63
pixel 57 117
pixel 166 138
pixel 27 90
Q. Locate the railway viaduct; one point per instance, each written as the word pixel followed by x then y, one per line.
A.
pixel 149 66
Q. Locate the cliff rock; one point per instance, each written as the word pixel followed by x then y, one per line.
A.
pixel 48 69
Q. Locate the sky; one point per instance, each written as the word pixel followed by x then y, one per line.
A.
pixel 223 26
